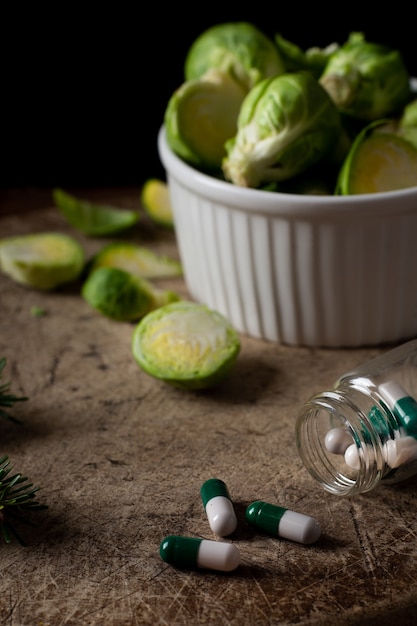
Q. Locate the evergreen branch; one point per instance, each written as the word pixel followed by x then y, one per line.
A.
pixel 8 399
pixel 17 501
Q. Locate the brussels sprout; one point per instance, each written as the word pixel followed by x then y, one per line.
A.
pixel 237 48
pixel 186 344
pixel 119 295
pixel 137 260
pixel 365 80
pixel 407 126
pixel 157 202
pixel 201 115
pixel 42 261
pixel 378 161
pixel 92 219
pixel 409 115
pixel 295 59
pixel 286 124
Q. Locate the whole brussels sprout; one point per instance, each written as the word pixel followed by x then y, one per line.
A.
pixel 365 80
pixel 237 48
pixel 286 124
pixel 295 59
pixel 409 115
pixel 122 296
pixel 407 126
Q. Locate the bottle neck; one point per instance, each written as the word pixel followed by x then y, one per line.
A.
pixel 341 437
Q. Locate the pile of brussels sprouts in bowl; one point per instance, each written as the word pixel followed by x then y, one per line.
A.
pixel 265 114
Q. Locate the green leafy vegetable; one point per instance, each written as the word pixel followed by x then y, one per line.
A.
pixel 156 201
pixel 41 261
pixel 137 260
pixel 121 296
pixel 201 116
pixel 236 48
pixel 378 161
pixel 286 124
pixel 313 59
pixel 407 125
pixel 367 81
pixel 96 220
pixel 186 345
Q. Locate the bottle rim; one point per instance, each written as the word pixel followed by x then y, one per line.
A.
pixel 337 409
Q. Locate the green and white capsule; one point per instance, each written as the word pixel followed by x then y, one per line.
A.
pixel 281 522
pixel 402 405
pixel 402 449
pixel 190 552
pixel 219 507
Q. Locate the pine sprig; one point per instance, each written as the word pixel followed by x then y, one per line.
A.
pixel 7 399
pixel 17 501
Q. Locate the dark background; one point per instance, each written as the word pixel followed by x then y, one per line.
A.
pixel 84 95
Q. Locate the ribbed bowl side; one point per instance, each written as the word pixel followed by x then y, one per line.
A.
pixel 326 282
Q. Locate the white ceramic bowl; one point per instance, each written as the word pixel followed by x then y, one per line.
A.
pixel 298 270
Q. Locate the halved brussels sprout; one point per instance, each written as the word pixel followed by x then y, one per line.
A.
pixel 157 202
pixel 186 345
pixel 367 81
pixel 119 295
pixel 93 219
pixel 236 48
pixel 137 260
pixel 378 161
pixel 42 261
pixel 201 115
pixel 286 124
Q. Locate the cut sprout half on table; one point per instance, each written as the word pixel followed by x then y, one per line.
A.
pixel 137 260
pixel 186 344
pixel 157 202
pixel 95 220
pixel 41 261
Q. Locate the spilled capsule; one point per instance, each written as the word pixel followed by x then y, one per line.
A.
pixel 191 552
pixel 218 506
pixel 403 405
pixel 400 451
pixel 281 522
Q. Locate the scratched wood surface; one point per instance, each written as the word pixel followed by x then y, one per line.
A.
pixel 120 458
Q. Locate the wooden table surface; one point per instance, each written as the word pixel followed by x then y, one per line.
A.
pixel 120 458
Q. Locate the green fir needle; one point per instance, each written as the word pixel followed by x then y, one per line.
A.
pixel 7 399
pixel 17 501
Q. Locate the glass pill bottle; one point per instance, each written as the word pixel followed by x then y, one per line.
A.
pixel 363 432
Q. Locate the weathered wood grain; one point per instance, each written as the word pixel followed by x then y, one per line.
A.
pixel 121 457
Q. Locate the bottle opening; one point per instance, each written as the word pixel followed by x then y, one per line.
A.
pixel 340 443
